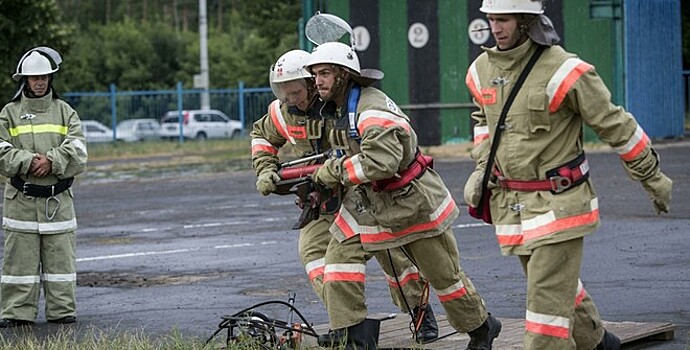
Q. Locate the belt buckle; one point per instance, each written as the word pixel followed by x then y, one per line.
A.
pixel 559 183
pixel 25 189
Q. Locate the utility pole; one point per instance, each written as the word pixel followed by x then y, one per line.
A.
pixel 201 80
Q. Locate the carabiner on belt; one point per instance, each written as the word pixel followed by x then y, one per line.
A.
pixel 50 215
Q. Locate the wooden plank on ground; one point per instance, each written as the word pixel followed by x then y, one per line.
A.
pixel 395 333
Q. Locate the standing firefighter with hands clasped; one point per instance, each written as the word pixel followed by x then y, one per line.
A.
pixel 299 118
pixel 542 201
pixel 393 200
pixel 41 150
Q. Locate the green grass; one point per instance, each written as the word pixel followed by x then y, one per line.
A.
pixel 90 338
pixel 213 150
pixel 68 338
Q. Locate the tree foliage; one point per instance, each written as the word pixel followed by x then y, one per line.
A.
pixel 24 25
pixel 153 44
pixel 148 44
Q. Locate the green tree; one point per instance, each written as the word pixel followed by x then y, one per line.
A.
pixel 131 56
pixel 25 24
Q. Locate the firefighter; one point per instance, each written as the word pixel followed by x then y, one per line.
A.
pixel 542 200
pixel 299 118
pixel 42 148
pixel 393 200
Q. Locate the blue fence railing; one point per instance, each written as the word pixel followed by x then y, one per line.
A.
pixel 686 85
pixel 112 107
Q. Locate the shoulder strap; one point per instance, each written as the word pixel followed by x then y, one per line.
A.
pixel 352 101
pixel 501 120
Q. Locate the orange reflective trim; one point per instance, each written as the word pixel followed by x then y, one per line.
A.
pixel 298 132
pixel 453 292
pixel 383 236
pixel 262 145
pixel 278 121
pixel 544 329
pixel 344 277
pixel 637 149
pixel 382 122
pixel 453 296
pixel 562 224
pixel 565 85
pixel 472 85
pixel 580 296
pixel 316 273
pixel 488 96
pixel 343 220
pixel 509 240
pixel 354 170
pixel 406 279
pixel 264 148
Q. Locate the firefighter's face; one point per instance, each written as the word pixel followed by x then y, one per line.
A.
pixel 38 84
pixel 504 28
pixel 325 77
pixel 296 94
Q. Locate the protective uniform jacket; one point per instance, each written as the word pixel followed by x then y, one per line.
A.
pixel 544 131
pixel 384 219
pixel 46 126
pixel 283 124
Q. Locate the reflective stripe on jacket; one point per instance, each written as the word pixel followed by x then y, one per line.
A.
pixel 385 219
pixel 45 126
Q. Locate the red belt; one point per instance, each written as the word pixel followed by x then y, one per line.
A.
pixel 557 180
pixel 414 171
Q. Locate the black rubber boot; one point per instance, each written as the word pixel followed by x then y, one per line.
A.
pixel 362 336
pixel 11 323
pixel 483 337
pixel 428 330
pixel 333 338
pixel 609 342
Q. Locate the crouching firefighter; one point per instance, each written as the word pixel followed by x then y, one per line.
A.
pixel 393 201
pixel 299 118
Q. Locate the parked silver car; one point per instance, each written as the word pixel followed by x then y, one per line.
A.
pixel 132 130
pixel 200 124
pixel 95 131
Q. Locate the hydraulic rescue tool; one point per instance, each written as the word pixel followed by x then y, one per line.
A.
pixel 251 328
pixel 295 178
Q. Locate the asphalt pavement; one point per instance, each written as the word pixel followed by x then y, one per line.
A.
pixel 180 249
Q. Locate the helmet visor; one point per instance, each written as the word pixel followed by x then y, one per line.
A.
pixel 292 93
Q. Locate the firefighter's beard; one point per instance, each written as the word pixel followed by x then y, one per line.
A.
pixel 335 91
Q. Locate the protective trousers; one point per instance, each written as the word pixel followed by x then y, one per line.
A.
pixel 31 259
pixel 560 313
pixel 313 243
pixel 436 258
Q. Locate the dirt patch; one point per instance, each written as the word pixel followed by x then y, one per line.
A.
pixel 134 280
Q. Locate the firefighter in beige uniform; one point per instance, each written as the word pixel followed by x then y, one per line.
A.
pixel 286 122
pixel 41 150
pixel 542 202
pixel 392 200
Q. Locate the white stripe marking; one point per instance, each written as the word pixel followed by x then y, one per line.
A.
pixel 173 251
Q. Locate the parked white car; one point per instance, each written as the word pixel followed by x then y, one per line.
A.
pixel 200 124
pixel 95 131
pixel 133 130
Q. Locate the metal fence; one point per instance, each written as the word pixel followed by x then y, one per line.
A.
pixel 686 86
pixel 112 107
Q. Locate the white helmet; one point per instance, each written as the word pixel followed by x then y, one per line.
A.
pixel 289 68
pixel 34 64
pixel 335 53
pixel 512 6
